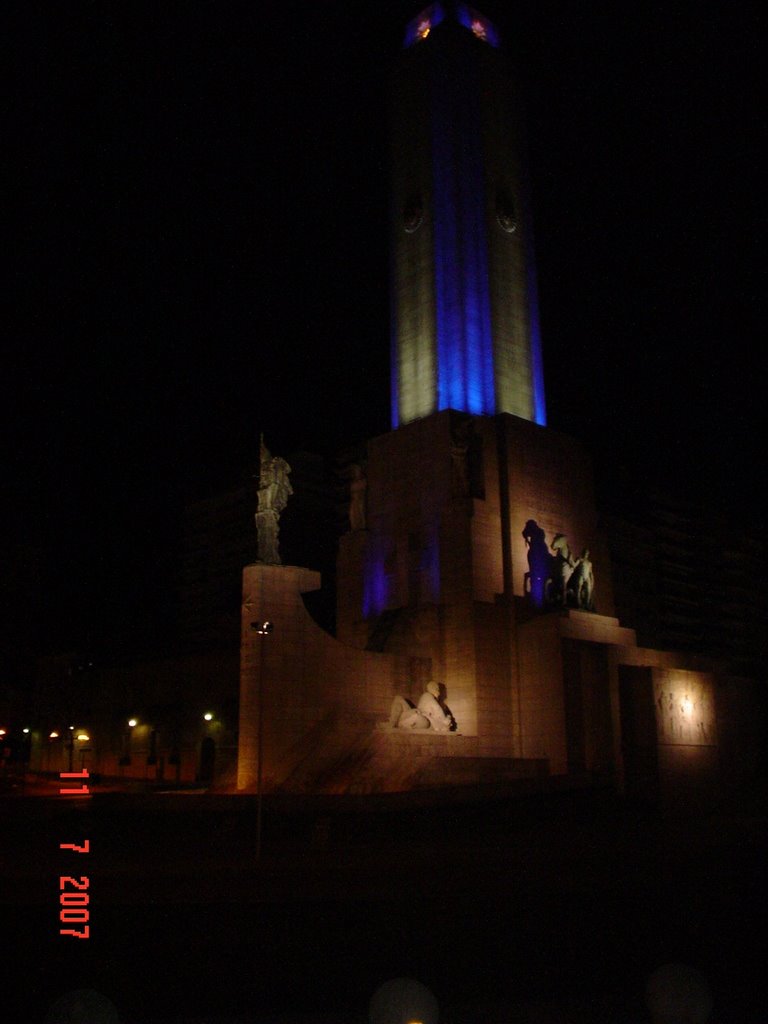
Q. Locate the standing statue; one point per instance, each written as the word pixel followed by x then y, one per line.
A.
pixel 274 488
pixel 581 585
pixel 555 579
pixel 357 493
pixel 460 430
pixel 273 494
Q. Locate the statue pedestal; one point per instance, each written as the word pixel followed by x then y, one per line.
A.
pixel 312 701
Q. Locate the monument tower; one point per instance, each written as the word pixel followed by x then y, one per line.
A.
pixel 465 310
pixel 469 463
pixel 472 582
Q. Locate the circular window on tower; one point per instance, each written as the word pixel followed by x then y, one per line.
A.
pixel 506 214
pixel 413 214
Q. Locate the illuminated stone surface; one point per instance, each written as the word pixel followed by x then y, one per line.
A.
pixel 434 580
pixel 465 308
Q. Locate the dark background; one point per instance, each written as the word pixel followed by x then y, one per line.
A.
pixel 197 246
pixel 199 207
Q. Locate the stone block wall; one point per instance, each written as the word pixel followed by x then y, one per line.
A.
pixel 325 705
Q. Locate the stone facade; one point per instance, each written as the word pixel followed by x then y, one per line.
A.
pixel 470 517
pixel 434 588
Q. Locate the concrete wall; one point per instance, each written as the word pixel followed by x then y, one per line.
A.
pixel 325 705
pixel 445 537
pixel 541 696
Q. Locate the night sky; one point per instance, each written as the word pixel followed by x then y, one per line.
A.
pixel 200 203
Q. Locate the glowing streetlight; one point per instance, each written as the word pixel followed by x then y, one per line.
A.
pixel 133 722
pixel 208 716
pixel 25 730
pixel 53 736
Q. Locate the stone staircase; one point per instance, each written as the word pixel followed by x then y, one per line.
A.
pixel 349 754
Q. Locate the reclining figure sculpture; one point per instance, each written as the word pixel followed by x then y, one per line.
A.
pixel 429 713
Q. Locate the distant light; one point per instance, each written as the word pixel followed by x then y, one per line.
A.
pixel 83 736
pixel 208 716
pixel 2 732
pixel 262 628
pixel 403 999
pixel 132 722
pixel 478 24
pixel 25 731
pixel 71 728
pixel 54 735
pixel 419 27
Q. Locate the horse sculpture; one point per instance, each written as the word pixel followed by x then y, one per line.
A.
pixel 561 569
pixel 555 579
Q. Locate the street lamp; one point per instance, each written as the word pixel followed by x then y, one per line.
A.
pixel 262 629
pixel 82 738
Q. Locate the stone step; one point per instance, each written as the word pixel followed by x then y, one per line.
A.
pixel 468 770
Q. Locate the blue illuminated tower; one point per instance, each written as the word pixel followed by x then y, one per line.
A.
pixel 436 569
pixel 464 304
pixel 464 518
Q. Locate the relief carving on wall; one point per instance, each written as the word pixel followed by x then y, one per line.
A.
pixel 685 709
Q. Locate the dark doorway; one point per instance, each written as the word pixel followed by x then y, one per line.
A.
pixel 639 744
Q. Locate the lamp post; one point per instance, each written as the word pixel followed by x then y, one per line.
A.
pixel 263 629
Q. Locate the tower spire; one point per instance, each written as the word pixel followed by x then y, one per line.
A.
pixel 465 310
